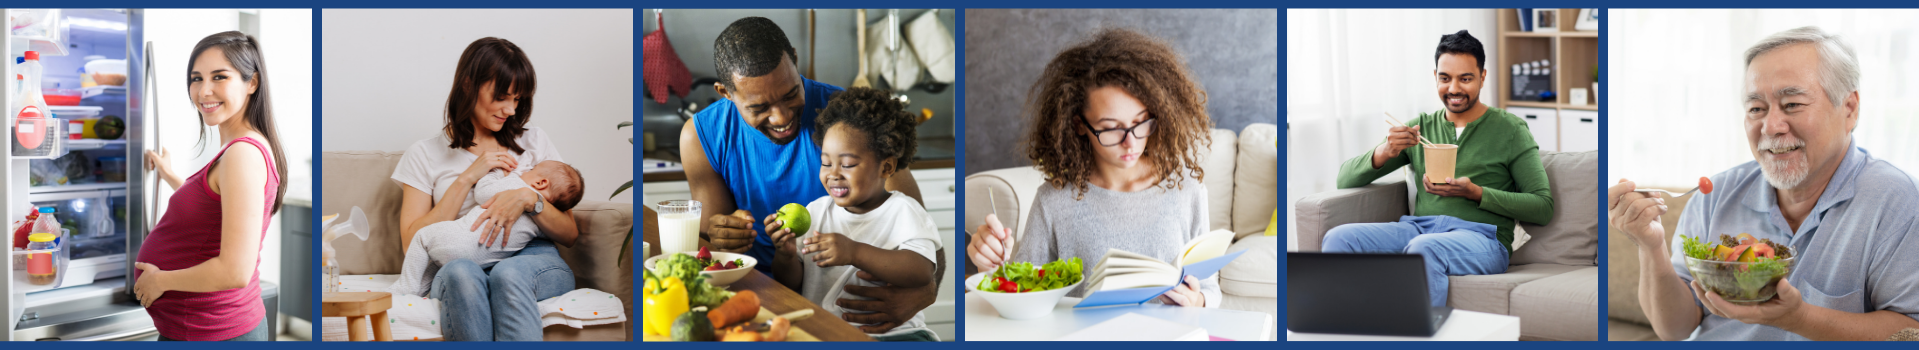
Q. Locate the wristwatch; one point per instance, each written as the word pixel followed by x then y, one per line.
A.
pixel 540 205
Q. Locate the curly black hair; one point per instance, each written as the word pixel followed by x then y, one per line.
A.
pixel 1461 43
pixel 750 47
pixel 889 128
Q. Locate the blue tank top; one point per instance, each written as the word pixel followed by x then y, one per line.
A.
pixel 764 176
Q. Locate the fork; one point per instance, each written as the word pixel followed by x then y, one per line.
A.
pixel 1668 193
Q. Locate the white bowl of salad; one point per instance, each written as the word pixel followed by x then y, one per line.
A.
pixel 721 268
pixel 1021 291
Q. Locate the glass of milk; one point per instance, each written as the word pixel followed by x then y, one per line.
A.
pixel 679 226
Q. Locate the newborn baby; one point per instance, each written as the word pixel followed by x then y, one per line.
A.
pixel 444 242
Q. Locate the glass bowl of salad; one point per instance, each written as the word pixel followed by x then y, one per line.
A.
pixel 1021 291
pixel 1740 269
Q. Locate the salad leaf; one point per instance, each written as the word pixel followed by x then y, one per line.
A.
pixel 1698 249
pixel 687 268
pixel 1054 275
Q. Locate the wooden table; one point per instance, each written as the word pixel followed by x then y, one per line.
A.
pixel 777 298
pixel 362 310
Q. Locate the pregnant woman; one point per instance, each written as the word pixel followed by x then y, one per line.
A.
pixel 486 115
pixel 1118 123
pixel 198 270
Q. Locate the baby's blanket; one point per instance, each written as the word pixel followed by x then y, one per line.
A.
pixel 418 318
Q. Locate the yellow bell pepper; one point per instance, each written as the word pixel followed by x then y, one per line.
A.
pixel 665 300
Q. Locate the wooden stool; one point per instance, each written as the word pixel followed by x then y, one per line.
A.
pixel 362 310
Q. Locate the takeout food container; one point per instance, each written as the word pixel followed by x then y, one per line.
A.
pixel 1736 282
pixel 1020 306
pixel 720 278
pixel 1440 159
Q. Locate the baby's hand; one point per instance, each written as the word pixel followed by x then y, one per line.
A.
pixel 783 238
pixel 832 249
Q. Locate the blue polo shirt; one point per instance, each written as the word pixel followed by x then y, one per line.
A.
pixel 762 175
pixel 1856 252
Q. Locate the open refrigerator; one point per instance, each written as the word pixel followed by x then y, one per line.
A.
pixel 94 182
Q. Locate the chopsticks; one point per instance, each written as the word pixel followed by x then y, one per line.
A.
pixel 1390 120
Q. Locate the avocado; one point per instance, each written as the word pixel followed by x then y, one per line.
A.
pixel 110 127
pixel 693 326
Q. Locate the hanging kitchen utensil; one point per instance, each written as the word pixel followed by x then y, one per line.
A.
pixel 811 40
pixel 859 77
pixel 893 61
pixel 664 73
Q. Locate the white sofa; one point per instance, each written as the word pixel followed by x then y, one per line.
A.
pixel 1242 179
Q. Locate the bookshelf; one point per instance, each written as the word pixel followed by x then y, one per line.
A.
pixel 1574 54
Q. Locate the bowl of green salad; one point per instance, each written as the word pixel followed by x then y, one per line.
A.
pixel 1021 291
pixel 1741 269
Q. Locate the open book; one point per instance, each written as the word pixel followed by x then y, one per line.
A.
pixel 1122 277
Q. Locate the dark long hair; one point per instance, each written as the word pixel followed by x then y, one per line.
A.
pixel 493 60
pixel 243 52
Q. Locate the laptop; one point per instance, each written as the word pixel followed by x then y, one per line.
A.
pixel 1367 294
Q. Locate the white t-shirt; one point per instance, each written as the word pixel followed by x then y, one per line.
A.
pixel 898 224
pixel 429 165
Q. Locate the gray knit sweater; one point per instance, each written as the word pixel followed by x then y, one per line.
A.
pixel 1155 222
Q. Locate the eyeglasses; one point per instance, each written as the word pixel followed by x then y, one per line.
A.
pixel 1110 137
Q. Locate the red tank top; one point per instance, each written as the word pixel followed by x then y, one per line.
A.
pixel 188 235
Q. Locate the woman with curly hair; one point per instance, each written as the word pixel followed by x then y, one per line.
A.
pixel 1118 127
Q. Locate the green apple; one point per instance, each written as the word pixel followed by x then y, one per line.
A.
pixel 794 217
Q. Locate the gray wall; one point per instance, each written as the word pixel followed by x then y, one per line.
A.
pixel 1234 54
pixel 692 33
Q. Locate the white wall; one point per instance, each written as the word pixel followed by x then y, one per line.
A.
pixel 387 73
pixel 1681 116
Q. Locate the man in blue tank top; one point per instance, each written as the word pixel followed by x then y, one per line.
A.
pixel 752 152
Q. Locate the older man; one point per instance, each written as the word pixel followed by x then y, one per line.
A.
pixel 1850 218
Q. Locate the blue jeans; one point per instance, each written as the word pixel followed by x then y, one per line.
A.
pixel 501 302
pixel 1452 247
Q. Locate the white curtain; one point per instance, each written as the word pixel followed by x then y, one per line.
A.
pixel 1345 67
pixel 1678 114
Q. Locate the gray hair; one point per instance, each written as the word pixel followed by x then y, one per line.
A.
pixel 1838 67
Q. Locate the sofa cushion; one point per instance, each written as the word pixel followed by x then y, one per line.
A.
pixel 595 255
pixel 1219 162
pixel 1561 307
pixel 1256 273
pixel 1622 269
pixel 362 178
pixel 1256 180
pixel 1491 293
pixel 1572 237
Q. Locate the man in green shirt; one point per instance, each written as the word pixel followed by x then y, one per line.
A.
pixel 1461 225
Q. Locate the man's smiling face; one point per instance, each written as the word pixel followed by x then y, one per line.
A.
pixel 771 103
pixel 1459 77
pixel 1792 125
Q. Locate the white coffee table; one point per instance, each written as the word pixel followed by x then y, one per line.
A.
pixel 984 324
pixel 1461 326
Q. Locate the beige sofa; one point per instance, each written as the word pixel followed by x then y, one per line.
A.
pixel 1553 282
pixel 360 178
pixel 1242 184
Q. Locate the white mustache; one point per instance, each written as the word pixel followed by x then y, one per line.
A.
pixel 1772 143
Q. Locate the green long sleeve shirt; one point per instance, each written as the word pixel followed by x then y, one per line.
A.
pixel 1496 151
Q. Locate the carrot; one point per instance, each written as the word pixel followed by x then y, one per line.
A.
pixel 777 331
pixel 741 308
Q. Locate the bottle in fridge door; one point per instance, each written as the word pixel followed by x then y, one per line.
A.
pixel 45 257
pixel 36 133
